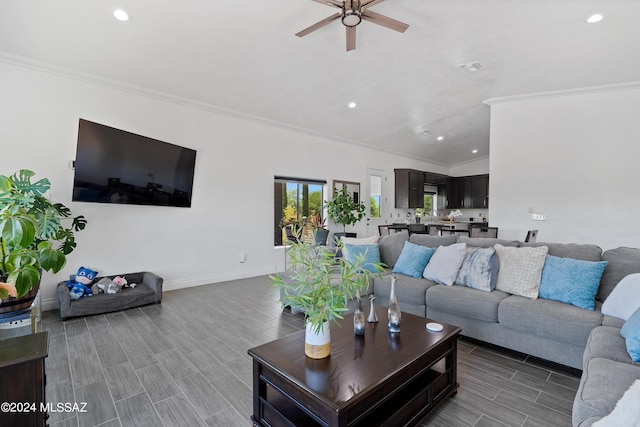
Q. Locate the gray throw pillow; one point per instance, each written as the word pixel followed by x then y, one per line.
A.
pixel 521 270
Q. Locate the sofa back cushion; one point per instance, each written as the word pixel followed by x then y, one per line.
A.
pixel 621 262
pixel 486 242
pixel 391 247
pixel 584 252
pixel 432 241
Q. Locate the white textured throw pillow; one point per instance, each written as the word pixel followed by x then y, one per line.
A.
pixel 627 411
pixel 624 300
pixel 520 269
pixel 444 264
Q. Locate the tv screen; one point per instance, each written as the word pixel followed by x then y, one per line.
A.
pixel 115 166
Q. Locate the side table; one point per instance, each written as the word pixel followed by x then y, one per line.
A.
pixel 23 380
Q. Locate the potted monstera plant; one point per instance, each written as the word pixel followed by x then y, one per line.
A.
pixel 33 235
pixel 343 209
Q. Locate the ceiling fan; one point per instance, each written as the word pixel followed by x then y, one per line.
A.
pixel 352 13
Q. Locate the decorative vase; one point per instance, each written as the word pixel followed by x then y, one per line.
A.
pixel 393 311
pixel 358 319
pixel 317 344
pixel 373 317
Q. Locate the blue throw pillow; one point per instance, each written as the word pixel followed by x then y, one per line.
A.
pixel 631 332
pixel 370 254
pixel 413 259
pixel 573 281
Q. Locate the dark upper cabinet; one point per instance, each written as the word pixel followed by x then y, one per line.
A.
pixel 455 193
pixel 470 192
pixel 409 189
pixel 476 191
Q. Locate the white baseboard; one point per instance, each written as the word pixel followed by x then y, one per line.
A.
pixel 52 303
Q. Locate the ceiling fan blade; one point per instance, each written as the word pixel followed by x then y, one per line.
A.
pixel 330 3
pixel 385 21
pixel 319 24
pixel 351 38
pixel 369 3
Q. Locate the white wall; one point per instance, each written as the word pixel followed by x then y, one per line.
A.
pixel 236 161
pixel 574 157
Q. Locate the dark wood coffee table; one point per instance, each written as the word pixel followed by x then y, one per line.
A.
pixel 377 379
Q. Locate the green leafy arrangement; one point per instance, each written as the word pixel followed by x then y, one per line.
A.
pixel 343 209
pixel 320 284
pixel 32 234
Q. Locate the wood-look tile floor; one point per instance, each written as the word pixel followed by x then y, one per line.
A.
pixel 184 363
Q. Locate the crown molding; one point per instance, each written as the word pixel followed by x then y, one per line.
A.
pixel 635 85
pixel 32 64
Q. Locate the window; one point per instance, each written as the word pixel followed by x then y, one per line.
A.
pixel 296 202
pixel 375 195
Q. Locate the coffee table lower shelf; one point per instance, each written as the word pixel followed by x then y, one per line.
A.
pixel 408 405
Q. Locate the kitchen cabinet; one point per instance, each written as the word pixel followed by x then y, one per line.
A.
pixel 476 192
pixel 455 193
pixel 409 189
pixel 469 192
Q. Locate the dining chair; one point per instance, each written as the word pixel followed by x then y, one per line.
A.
pixel 417 229
pixel 484 232
pixel 531 236
pixel 383 230
pixel 433 230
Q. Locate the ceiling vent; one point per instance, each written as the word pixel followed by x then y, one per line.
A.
pixel 471 66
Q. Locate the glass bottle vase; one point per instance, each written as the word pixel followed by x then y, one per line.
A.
pixel 394 309
pixel 358 319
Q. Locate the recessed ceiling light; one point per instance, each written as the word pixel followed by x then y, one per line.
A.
pixel 352 105
pixel 595 18
pixel 474 151
pixel 121 15
pixel 440 138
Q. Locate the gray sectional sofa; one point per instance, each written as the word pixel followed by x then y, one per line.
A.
pixel 148 290
pixel 548 329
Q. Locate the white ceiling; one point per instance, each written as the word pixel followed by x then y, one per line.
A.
pixel 242 56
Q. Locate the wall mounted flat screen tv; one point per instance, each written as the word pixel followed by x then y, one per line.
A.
pixel 115 166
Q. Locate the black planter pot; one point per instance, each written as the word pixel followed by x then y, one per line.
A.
pixel 321 237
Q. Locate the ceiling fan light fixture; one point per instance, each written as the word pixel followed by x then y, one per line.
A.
pixel 351 18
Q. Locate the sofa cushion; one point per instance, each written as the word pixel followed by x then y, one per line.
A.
pixel 486 242
pixel 573 281
pixel 602 384
pixel 624 299
pixel 622 262
pixel 444 264
pixel 391 247
pixel 631 333
pixel 570 250
pixel 413 259
pixel 479 269
pixel 466 302
pixel 547 318
pixel 607 343
pixel 520 270
pixel 432 241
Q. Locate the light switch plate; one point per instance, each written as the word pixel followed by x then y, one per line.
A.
pixel 538 217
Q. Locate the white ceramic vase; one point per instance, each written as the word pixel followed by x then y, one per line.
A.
pixel 317 345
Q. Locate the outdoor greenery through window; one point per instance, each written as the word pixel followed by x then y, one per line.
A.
pixel 375 196
pixel 298 203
